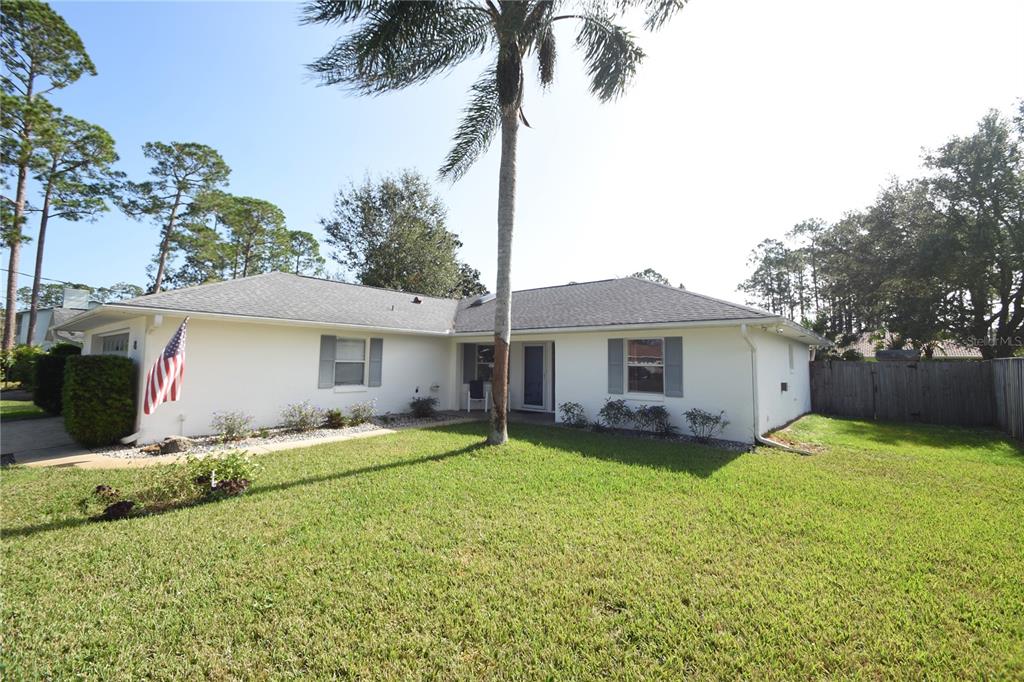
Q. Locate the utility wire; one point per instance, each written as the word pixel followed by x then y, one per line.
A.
pixel 48 279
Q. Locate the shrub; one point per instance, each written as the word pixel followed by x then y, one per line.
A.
pixel 335 419
pixel 615 414
pixel 852 355
pixel 98 398
pixel 302 416
pixel 704 425
pixel 20 364
pixel 232 425
pixel 360 413
pixel 49 379
pixel 655 419
pixel 424 407
pixel 161 488
pixel 573 415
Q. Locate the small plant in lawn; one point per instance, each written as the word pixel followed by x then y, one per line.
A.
pixel 423 407
pixel 335 419
pixel 360 413
pixel 654 419
pixel 573 415
pixel 302 416
pixel 705 425
pixel 232 425
pixel 616 414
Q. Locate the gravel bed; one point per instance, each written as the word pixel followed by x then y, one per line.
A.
pixel 201 445
pixel 721 444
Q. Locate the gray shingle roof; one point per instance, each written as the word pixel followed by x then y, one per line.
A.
pixel 603 303
pixel 284 296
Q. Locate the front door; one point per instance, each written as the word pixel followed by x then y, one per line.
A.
pixel 533 376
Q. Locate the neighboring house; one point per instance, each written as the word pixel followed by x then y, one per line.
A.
pixel 75 302
pixel 868 344
pixel 260 343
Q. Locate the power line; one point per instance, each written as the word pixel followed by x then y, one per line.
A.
pixel 48 279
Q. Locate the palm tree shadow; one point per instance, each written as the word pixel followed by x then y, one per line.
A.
pixel 671 455
pixel 74 522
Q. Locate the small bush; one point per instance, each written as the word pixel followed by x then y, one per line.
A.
pixel 49 379
pixel 157 489
pixel 232 425
pixel 424 407
pixel 704 425
pixel 19 365
pixel 573 415
pixel 654 419
pixel 335 419
pixel 852 355
pixel 616 414
pixel 302 416
pixel 360 413
pixel 98 399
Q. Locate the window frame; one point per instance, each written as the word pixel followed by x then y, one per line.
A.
pixel 102 338
pixel 365 363
pixel 626 365
pixel 477 364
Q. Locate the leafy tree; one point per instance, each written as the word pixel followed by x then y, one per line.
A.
pixel 398 44
pixel 651 275
pixel 120 291
pixel 40 53
pixel 305 254
pixel 74 169
pixel 392 234
pixel 181 172
pixel 51 295
pixel 469 281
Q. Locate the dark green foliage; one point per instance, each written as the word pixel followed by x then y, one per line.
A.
pixel 573 415
pixel 654 419
pixel 616 414
pixel 99 398
pixel 335 419
pixel 423 407
pixel 49 385
pixel 705 425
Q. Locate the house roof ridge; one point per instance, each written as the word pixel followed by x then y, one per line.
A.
pixel 369 286
pixel 738 306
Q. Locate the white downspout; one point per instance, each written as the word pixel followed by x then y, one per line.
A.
pixel 758 438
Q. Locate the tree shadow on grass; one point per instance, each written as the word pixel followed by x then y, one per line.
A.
pixel 74 522
pixel 671 455
pixel 897 434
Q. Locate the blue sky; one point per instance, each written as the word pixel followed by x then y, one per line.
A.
pixel 747 117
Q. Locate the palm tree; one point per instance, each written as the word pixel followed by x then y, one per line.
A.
pixel 398 44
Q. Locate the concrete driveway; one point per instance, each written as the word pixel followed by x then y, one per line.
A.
pixel 32 440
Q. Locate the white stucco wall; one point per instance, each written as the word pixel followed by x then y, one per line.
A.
pixel 776 406
pixel 261 368
pixel 716 375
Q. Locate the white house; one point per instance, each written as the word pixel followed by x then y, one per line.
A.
pixel 260 343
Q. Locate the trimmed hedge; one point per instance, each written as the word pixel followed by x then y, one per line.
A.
pixel 99 398
pixel 49 383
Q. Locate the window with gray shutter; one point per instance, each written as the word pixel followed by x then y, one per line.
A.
pixel 674 366
pixel 376 361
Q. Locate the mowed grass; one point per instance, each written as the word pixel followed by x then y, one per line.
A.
pixel 11 410
pixel 896 552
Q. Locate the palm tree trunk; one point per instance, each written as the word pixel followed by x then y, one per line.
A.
pixel 503 290
pixel 165 246
pixel 37 278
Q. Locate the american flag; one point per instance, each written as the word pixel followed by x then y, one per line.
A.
pixel 163 383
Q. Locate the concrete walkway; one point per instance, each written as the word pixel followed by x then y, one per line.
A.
pixel 44 443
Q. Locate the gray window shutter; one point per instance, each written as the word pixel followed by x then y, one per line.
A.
pixel 376 361
pixel 615 366
pixel 468 362
pixel 328 352
pixel 674 366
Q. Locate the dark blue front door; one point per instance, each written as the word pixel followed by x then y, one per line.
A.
pixel 533 376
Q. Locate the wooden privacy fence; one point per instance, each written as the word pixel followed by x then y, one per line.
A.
pixel 1008 383
pixel 956 393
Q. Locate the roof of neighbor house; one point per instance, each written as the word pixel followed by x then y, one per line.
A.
pixel 284 296
pixel 867 344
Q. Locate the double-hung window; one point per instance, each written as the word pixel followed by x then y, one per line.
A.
pixel 645 365
pixel 350 362
pixel 485 362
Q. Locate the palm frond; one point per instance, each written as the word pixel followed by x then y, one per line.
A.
pixel 337 11
pixel 403 43
pixel 609 52
pixel 546 54
pixel 477 128
pixel 658 11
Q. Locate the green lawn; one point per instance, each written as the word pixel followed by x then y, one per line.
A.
pixel 11 410
pixel 896 552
